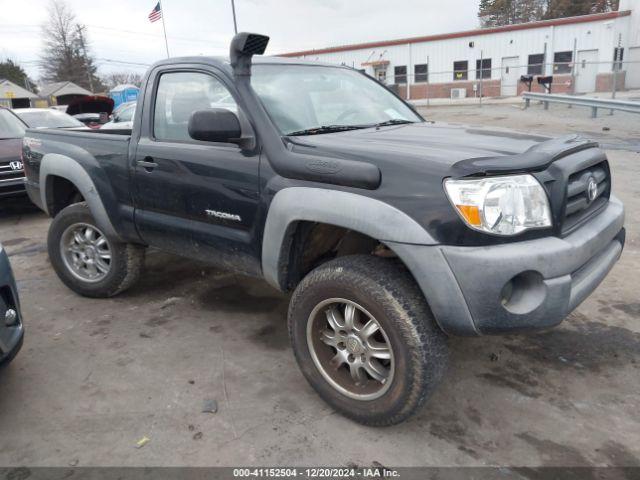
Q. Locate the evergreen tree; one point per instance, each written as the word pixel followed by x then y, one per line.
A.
pixel 507 12
pixel 10 70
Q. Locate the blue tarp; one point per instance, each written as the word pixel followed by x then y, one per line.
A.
pixel 124 94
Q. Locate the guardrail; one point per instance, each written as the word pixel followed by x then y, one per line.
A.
pixel 593 103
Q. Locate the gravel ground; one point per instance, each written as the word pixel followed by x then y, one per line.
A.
pixel 95 376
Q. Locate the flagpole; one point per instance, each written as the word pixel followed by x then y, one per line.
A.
pixel 164 28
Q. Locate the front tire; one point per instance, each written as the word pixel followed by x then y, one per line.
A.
pixel 86 260
pixel 366 340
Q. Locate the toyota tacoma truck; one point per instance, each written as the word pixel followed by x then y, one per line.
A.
pixel 391 232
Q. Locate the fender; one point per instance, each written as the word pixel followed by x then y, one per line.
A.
pixel 70 169
pixel 359 213
pixel 411 242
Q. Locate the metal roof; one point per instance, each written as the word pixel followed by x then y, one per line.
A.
pixel 11 90
pixel 62 88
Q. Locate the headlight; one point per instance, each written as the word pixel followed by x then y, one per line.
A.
pixel 500 205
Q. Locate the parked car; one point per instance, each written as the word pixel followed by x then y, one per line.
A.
pixel 11 169
pixel 93 110
pixel 47 118
pixel 11 328
pixel 392 232
pixel 122 117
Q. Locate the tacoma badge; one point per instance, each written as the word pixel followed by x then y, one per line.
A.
pixel 223 215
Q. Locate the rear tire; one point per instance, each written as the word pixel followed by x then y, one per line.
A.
pixel 86 260
pixel 396 367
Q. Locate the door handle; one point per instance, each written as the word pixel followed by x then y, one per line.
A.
pixel 148 164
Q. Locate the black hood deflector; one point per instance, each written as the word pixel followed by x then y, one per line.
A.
pixel 536 158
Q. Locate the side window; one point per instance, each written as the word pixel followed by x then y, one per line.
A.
pixel 535 66
pixel 180 94
pixel 460 70
pixel 562 62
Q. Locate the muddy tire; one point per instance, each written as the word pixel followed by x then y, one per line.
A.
pixel 366 340
pixel 86 260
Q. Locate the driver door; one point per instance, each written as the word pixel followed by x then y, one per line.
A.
pixel 193 198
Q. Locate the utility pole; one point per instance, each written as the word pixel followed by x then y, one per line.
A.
pixel 235 23
pixel 574 66
pixel 617 64
pixel 616 67
pixel 481 74
pixel 83 46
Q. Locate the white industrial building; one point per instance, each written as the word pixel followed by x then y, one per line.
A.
pixel 579 52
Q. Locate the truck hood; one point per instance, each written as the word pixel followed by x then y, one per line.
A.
pixel 457 149
pixel 10 149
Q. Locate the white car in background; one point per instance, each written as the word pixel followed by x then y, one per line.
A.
pixel 122 118
pixel 47 118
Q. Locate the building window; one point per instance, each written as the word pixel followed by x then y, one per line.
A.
pixel 400 74
pixel 562 62
pixel 535 65
pixel 618 57
pixel 460 70
pixel 483 69
pixel 421 72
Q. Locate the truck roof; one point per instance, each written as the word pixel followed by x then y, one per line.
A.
pixel 224 63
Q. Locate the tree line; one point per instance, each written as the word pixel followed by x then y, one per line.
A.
pixel 494 13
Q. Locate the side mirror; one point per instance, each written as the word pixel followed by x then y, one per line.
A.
pixel 215 125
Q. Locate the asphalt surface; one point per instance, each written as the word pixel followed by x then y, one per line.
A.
pixel 96 376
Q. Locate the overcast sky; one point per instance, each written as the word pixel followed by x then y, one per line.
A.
pixel 119 30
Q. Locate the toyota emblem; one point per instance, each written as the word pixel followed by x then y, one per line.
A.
pixel 592 189
pixel 17 165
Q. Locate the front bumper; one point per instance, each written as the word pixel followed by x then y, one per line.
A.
pixel 12 188
pixel 11 337
pixel 517 286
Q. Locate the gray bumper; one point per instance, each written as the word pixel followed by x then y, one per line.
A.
pixel 10 336
pixel 518 286
pixel 12 188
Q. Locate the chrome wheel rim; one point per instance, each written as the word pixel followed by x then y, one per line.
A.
pixel 350 349
pixel 86 252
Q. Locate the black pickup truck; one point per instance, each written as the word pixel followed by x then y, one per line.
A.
pixel 392 232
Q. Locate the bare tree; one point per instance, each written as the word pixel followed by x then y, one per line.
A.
pixel 65 54
pixel 120 78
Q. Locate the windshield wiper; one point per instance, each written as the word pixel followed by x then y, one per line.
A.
pixel 325 129
pixel 393 121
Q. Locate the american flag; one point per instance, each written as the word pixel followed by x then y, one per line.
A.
pixel 156 13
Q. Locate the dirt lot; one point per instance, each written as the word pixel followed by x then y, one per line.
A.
pixel 95 376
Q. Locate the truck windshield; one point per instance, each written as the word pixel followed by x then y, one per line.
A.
pixel 10 126
pixel 309 99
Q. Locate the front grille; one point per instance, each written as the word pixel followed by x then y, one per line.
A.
pixel 581 201
pixel 10 178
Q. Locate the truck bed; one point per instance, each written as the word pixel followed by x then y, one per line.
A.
pixel 104 156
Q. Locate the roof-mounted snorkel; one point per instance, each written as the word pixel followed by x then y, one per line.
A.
pixel 244 46
pixel 288 163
